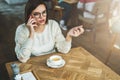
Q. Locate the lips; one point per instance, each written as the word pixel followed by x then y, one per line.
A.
pixel 41 21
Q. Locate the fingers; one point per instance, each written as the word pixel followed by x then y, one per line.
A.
pixel 76 31
pixel 79 29
pixel 31 22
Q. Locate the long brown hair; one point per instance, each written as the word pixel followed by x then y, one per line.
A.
pixel 31 5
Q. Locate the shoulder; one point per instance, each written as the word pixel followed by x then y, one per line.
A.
pixel 21 27
pixel 52 22
pixel 22 30
pixel 53 25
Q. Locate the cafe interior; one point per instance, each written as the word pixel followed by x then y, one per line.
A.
pixel 100 39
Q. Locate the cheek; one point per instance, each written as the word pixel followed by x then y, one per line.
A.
pixel 45 18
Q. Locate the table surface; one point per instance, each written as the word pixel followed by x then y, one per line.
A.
pixel 80 65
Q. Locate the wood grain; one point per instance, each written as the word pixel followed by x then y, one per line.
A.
pixel 80 65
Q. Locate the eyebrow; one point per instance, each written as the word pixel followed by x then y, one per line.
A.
pixel 40 12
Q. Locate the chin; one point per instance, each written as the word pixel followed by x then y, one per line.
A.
pixel 41 23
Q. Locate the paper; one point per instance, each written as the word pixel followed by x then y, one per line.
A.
pixel 28 76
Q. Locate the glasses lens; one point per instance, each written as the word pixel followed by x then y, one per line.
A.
pixel 44 13
pixel 37 14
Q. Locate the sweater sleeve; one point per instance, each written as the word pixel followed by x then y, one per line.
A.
pixel 23 43
pixel 62 45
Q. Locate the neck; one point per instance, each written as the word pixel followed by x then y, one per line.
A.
pixel 39 28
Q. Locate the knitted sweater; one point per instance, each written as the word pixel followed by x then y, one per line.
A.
pixel 42 43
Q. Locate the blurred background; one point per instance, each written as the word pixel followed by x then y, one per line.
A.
pixel 103 43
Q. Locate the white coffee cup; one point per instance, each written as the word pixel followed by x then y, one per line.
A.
pixel 55 60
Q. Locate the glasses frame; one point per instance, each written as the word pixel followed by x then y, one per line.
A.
pixel 40 14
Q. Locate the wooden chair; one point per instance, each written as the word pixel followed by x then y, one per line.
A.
pixel 100 7
pixel 57 10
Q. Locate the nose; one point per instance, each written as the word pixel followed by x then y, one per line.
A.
pixel 40 15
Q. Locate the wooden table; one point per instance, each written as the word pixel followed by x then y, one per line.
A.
pixel 80 65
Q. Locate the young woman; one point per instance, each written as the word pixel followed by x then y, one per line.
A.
pixel 40 36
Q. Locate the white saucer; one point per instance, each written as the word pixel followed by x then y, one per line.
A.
pixel 55 66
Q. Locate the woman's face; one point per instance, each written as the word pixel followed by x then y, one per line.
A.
pixel 40 14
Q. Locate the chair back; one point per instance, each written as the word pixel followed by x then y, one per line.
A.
pixel 101 15
pixel 101 7
pixel 55 2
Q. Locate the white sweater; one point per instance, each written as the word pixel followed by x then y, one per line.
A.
pixel 42 43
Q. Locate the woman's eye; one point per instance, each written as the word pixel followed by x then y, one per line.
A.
pixel 35 14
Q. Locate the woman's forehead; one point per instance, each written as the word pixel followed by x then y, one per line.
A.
pixel 40 8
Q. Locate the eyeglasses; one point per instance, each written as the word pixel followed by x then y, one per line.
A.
pixel 38 14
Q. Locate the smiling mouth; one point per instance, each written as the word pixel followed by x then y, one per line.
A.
pixel 41 21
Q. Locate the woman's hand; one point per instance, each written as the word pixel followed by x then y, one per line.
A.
pixel 31 24
pixel 74 32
